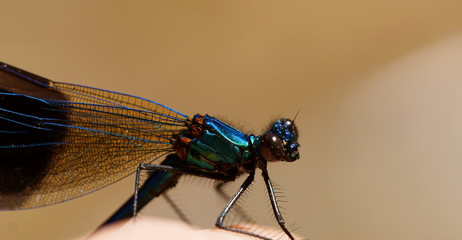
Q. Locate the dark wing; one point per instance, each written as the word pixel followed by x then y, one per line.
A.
pixel 60 141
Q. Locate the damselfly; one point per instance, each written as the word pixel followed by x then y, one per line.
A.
pixel 60 141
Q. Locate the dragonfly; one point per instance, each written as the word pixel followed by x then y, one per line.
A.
pixel 60 141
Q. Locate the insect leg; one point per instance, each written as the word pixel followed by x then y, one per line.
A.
pixel 231 204
pixel 219 188
pixel 274 203
pixel 161 178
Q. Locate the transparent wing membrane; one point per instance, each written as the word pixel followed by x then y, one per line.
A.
pixel 60 141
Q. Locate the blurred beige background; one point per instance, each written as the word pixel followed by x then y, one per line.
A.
pixel 377 83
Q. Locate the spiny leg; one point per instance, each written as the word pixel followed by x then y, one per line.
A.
pixel 274 203
pixel 230 205
pixel 273 200
pixel 173 168
pixel 161 178
pixel 156 184
pixel 219 188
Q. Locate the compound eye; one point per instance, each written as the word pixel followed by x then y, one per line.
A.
pixel 271 147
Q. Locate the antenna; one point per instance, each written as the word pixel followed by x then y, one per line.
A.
pixel 293 120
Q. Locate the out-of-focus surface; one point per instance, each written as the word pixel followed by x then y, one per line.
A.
pixel 378 86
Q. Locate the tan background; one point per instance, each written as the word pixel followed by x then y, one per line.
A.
pixel 377 84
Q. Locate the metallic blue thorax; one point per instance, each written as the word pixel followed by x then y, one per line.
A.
pixel 214 145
